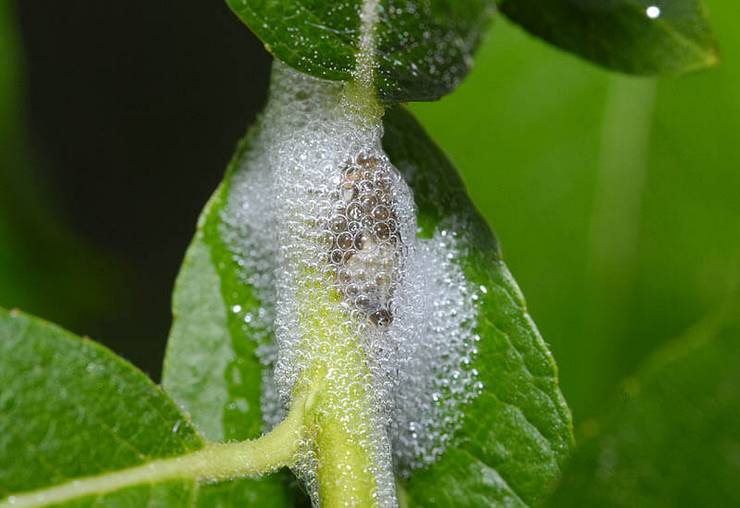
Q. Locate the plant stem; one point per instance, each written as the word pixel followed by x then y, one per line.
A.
pixel 341 418
pixel 214 462
pixel 344 475
pixel 344 452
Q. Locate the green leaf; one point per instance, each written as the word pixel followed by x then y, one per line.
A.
pixel 79 426
pixel 672 438
pixel 517 433
pixel 210 366
pixel 618 215
pixel 423 48
pixel 633 36
pixel 70 409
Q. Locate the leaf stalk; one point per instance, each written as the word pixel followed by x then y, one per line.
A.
pixel 212 463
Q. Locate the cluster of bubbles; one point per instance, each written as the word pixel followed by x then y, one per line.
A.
pixel 324 228
pixel 362 237
pixel 436 344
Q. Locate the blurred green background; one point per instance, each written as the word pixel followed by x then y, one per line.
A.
pixel 615 199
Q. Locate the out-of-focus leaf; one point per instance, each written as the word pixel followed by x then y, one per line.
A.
pixel 634 36
pixel 614 197
pixel 673 438
pixel 40 259
pixel 424 48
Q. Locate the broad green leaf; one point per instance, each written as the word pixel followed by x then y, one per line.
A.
pixel 79 426
pixel 518 432
pixel 423 48
pixel 672 438
pixel 515 435
pixel 634 36
pixel 71 409
pixel 210 366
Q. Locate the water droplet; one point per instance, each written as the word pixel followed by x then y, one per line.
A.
pixel 653 12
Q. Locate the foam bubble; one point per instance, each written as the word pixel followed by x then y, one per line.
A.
pixel 324 227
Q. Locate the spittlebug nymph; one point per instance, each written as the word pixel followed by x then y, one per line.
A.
pixel 365 247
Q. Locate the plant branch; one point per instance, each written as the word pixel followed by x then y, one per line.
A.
pixel 214 462
pixel 340 408
pixel 345 457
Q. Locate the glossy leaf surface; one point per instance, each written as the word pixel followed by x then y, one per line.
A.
pixel 633 36
pixel 423 48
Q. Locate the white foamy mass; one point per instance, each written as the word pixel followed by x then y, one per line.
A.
pixel 324 228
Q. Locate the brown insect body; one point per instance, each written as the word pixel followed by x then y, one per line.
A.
pixel 365 240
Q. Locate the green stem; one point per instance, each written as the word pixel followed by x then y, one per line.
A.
pixel 341 418
pixel 345 459
pixel 347 465
pixel 344 475
pixel 214 462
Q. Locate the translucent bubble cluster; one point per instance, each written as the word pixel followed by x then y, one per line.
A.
pixel 324 229
pixel 362 237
